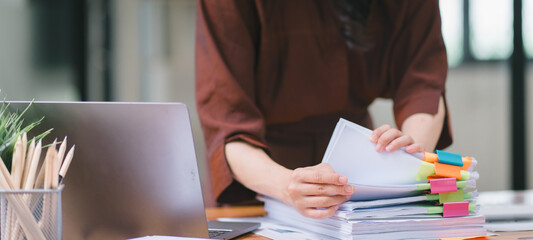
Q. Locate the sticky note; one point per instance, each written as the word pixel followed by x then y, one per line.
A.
pixel 443 185
pixel 426 169
pixel 430 157
pixel 455 209
pixel 447 170
pixel 450 158
pixel 452 197
pixel 467 161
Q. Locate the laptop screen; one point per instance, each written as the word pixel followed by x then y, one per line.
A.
pixel 134 172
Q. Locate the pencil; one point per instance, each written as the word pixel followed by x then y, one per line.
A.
pixel 33 166
pixel 54 170
pixel 58 160
pixel 40 178
pixel 16 168
pixel 61 152
pixel 66 163
pixel 5 175
pixel 24 147
pixel 27 165
pixel 39 181
pixel 48 168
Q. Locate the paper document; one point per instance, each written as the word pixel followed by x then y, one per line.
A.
pixel 352 205
pixel 407 227
pixel 351 153
pixel 397 195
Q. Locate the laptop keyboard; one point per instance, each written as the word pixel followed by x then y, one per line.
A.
pixel 213 233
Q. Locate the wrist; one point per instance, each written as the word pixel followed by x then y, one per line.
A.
pixel 282 185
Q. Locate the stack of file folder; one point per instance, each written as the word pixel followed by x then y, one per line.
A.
pixel 397 195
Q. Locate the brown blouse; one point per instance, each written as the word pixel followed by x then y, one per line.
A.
pixel 278 75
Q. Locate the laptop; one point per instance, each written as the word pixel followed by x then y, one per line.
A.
pixel 134 172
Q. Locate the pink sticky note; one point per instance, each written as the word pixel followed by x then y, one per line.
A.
pixel 455 209
pixel 443 185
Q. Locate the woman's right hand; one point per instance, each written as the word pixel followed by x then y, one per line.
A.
pixel 317 191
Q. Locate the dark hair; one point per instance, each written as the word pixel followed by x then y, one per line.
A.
pixel 353 15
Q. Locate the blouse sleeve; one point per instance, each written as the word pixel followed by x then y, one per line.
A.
pixel 227 34
pixel 421 65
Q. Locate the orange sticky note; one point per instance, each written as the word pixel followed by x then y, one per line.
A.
pixel 467 161
pixel 433 177
pixel 430 157
pixel 447 170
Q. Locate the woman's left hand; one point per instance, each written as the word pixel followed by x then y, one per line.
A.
pixel 391 139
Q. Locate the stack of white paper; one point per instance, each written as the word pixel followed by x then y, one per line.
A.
pixel 391 199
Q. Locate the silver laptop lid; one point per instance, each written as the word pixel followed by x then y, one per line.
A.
pixel 134 172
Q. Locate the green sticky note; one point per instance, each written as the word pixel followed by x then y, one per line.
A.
pixel 451 197
pixel 461 184
pixel 465 175
pixel 432 197
pixel 426 169
pixel 468 195
pixel 423 186
pixel 434 209
pixel 472 207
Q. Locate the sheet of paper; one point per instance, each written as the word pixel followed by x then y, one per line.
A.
pixel 509 226
pixel 351 153
pixel 351 205
pixel 369 192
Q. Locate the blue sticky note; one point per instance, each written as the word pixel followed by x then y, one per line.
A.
pixel 450 158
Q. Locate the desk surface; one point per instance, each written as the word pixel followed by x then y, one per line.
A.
pixel 252 211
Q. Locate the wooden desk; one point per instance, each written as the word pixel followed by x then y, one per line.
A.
pixel 253 211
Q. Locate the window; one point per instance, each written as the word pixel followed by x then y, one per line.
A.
pixel 491 29
pixel 452 30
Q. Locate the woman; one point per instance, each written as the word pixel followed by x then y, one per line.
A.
pixel 274 76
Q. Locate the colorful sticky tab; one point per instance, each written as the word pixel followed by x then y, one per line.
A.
pixel 447 170
pixel 426 169
pixel 455 209
pixel 465 175
pixel 450 158
pixel 458 196
pixel 467 161
pixel 443 185
pixel 430 157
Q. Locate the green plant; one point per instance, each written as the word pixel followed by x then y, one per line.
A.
pixel 11 128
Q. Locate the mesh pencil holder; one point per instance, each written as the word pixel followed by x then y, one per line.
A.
pixel 30 214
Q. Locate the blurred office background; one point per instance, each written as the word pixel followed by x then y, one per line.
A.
pixel 143 50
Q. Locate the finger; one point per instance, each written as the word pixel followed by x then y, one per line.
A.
pixel 323 167
pixel 320 201
pixel 308 175
pixel 320 213
pixel 386 138
pixel 376 134
pixel 414 148
pixel 399 142
pixel 323 189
